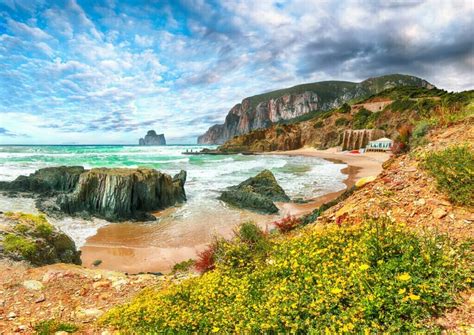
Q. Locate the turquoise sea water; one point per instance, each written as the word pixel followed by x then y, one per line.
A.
pixel 301 177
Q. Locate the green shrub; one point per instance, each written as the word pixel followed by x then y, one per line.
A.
pixel 318 124
pixel 419 133
pixel 374 277
pixel 19 244
pixel 453 169
pixel 402 105
pixel 183 266
pixel 43 229
pixel 361 118
pixel 342 121
pixel 345 108
pixel 49 327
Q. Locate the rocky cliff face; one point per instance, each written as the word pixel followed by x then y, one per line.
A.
pixel 118 194
pixel 261 111
pixel 152 138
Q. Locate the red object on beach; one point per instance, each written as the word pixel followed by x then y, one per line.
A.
pixel 355 152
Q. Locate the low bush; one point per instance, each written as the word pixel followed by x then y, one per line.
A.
pixel 345 108
pixel 287 224
pixel 361 118
pixel 419 133
pixel 183 266
pixel 50 327
pixel 206 259
pixel 318 124
pixel 401 105
pixel 374 277
pixel 342 121
pixel 402 142
pixel 19 245
pixel 453 169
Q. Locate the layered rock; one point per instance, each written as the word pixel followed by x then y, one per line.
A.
pixel 30 238
pixel 356 139
pixel 47 180
pixel 261 111
pixel 113 194
pixel 118 194
pixel 152 138
pixel 256 193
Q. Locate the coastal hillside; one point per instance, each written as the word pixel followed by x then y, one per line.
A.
pixel 388 111
pixel 263 110
pixel 392 255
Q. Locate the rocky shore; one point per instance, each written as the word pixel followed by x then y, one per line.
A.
pixel 112 194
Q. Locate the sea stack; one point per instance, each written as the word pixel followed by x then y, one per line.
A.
pixel 152 138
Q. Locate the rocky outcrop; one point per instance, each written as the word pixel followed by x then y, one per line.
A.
pixel 257 193
pixel 47 180
pixel 119 194
pixel 31 238
pixel 356 139
pixel 261 111
pixel 113 194
pixel 152 138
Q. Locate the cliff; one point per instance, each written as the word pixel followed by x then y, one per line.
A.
pixel 152 138
pixel 350 127
pixel 261 111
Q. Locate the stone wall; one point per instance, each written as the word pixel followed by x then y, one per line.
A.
pixel 356 139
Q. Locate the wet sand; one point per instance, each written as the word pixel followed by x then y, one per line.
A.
pixel 157 246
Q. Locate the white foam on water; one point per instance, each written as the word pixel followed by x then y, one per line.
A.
pixel 300 177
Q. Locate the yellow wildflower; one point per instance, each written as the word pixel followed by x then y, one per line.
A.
pixel 215 329
pixel 401 291
pixel 404 277
pixel 414 297
pixel 364 267
pixel 336 290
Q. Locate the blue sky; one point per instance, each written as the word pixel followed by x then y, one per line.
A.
pixel 107 71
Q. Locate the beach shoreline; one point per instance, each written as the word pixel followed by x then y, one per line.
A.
pixel 358 166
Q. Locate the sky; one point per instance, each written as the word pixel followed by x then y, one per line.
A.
pixel 85 72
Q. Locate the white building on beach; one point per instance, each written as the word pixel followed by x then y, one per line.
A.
pixel 382 144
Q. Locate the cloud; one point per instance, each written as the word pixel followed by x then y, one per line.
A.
pixel 6 132
pixel 77 71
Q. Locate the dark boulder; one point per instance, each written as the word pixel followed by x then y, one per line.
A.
pixel 256 193
pixel 47 180
pixel 120 194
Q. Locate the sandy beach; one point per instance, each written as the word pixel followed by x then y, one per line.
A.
pixel 358 166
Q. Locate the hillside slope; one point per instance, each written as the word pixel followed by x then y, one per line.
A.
pixel 388 110
pixel 261 111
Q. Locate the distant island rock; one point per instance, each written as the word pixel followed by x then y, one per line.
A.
pixel 152 138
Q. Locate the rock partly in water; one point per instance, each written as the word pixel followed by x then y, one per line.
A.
pixel 152 138
pixel 47 180
pixel 31 238
pixel 256 193
pixel 119 194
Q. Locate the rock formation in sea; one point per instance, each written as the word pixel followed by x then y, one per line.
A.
pixel 256 193
pixel 31 238
pixel 152 138
pixel 46 180
pixel 261 111
pixel 118 194
pixel 356 139
pixel 112 194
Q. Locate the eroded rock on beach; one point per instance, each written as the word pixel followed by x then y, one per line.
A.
pixel 256 193
pixel 113 194
pixel 46 180
pixel 117 194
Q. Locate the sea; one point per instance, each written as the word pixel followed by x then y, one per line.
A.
pixel 207 175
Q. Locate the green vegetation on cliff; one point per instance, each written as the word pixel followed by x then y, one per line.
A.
pixel 372 277
pixel 453 169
